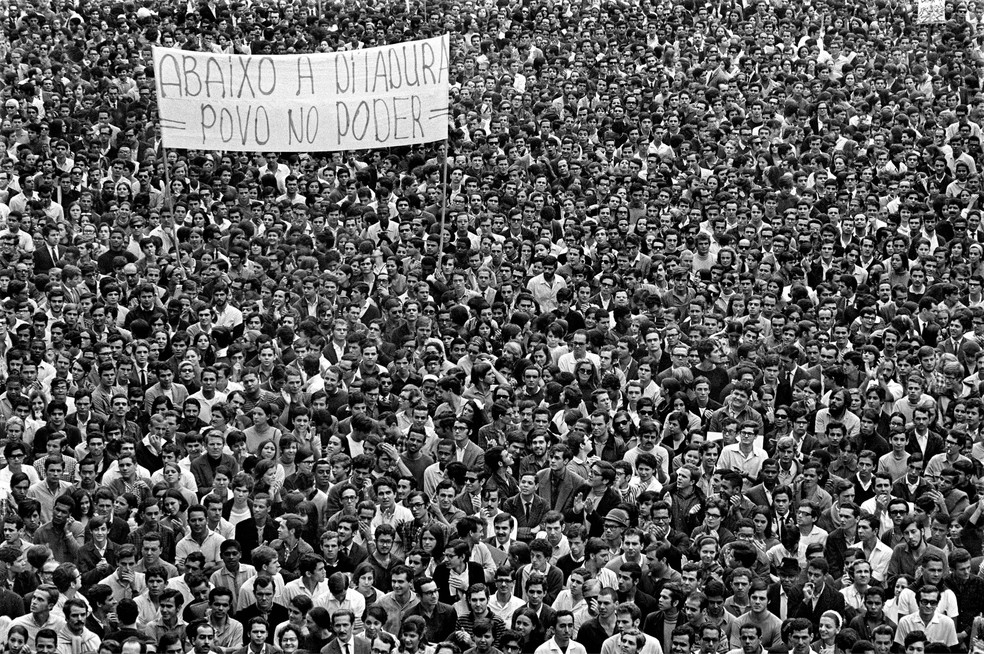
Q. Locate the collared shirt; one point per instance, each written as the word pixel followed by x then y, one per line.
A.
pixel 879 558
pixel 297 587
pixel 28 622
pixel 506 609
pixel 120 591
pixel 551 647
pixel 234 582
pixel 395 610
pixel 229 636
pixel 69 643
pixel 732 458
pixel 939 629
pixel 907 604
pixel 398 516
pixel 148 612
pixel 43 494
pixel 816 535
pixel 354 601
pixel 209 547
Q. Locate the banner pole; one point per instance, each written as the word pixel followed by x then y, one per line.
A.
pixel 444 198
pixel 169 196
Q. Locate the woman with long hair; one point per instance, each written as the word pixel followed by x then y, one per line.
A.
pixel 17 641
pixel 587 380
pixel 526 623
pixel 268 477
pixel 174 511
pixel 84 506
pixel 433 540
pixel 173 479
pixel 762 517
pixel 263 428
pixel 37 418
pixel 125 508
pixel 412 636
pixel 482 381
pixel 206 348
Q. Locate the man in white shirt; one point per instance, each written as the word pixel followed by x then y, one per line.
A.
pixel 937 627
pixel 561 642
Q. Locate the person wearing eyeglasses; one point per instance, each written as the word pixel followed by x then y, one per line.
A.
pixel 926 624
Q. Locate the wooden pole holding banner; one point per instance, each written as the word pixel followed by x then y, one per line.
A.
pixel 169 197
pixel 444 200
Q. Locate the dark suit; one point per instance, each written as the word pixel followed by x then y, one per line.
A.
pixel 929 331
pixel 474 456
pixel 596 519
pixel 43 259
pixel 653 625
pixel 835 549
pixel 269 649
pixel 934 445
pixel 440 624
pixel 356 555
pixel 758 496
pixel 554 579
pixel 249 537
pixel 829 600
pixel 793 600
pixel 358 645
pixel 900 489
pixel 527 525
pixel 647 603
pixel 88 559
pixel 592 635
pixel 442 575
pixel 276 615
pixel 569 485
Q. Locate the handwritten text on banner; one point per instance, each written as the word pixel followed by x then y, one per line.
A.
pixel 375 97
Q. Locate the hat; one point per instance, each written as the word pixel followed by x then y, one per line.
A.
pixel 618 515
pixel 789 566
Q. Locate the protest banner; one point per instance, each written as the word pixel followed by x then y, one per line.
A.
pixel 930 11
pixel 374 97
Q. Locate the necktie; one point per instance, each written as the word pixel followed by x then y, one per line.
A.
pixel 345 648
pixel 143 378
pixel 527 506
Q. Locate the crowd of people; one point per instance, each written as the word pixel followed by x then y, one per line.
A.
pixel 675 345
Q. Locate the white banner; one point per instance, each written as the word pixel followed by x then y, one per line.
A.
pixel 375 97
pixel 930 11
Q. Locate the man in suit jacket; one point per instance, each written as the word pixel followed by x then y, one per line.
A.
pixel 934 442
pixel 352 556
pixel 526 507
pixel 264 607
pixel 557 485
pixel 345 642
pixel 253 532
pixel 457 561
pixel 46 257
pixel 466 450
pixel 788 573
pixel 761 494
pixel 818 596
